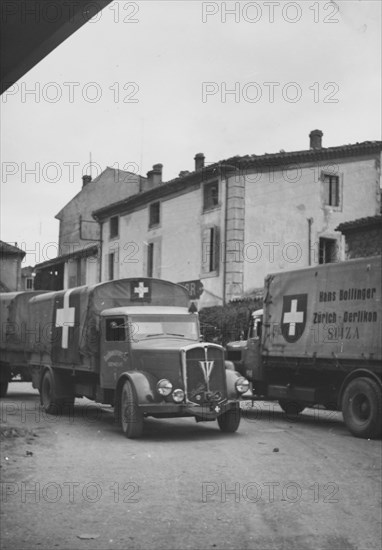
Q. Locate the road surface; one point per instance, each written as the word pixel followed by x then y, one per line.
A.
pixel 75 482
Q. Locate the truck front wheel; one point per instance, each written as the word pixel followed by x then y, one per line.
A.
pixel 362 408
pixel 230 420
pixel 131 416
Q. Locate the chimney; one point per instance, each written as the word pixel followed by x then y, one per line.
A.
pixel 86 180
pixel 199 161
pixel 183 173
pixel 154 176
pixel 316 139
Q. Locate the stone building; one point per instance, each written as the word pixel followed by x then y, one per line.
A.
pixel 77 260
pixel 10 267
pixel 363 237
pixel 224 226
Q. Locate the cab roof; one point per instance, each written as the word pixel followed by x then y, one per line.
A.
pixel 145 310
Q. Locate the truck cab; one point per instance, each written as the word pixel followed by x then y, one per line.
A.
pixel 153 364
pixel 132 336
pixel 245 354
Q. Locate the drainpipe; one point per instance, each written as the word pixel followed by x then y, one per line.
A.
pixel 226 167
pixel 225 242
pixel 310 222
pixel 100 251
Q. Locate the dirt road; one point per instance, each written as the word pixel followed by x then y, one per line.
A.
pixel 74 482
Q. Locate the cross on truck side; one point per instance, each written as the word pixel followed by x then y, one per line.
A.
pixel 131 343
pixel 317 341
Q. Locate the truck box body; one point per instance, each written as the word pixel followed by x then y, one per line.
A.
pixel 38 322
pixel 14 320
pixel 331 312
pixel 62 328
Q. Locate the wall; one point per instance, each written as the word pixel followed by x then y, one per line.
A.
pixel 109 187
pixel 179 238
pixel 363 242
pixel 279 204
pixel 10 271
pixel 267 226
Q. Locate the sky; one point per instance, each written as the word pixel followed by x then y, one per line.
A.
pixel 151 82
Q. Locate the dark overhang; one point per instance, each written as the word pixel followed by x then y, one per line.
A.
pixel 370 222
pixel 31 29
pixel 83 253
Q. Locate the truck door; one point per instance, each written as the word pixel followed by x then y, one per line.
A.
pixel 115 350
pixel 252 355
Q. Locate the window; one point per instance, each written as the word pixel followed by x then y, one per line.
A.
pixel 114 227
pixel 210 250
pixel 111 259
pixel 331 190
pixel 327 251
pixel 115 329
pixel 143 327
pixel 150 259
pixel 154 214
pixel 29 283
pixel 210 195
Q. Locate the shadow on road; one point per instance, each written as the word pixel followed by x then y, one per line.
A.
pixel 263 416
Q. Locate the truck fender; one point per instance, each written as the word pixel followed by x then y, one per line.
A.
pixel 229 365
pixel 144 389
pixel 365 373
pixel 231 377
pixel 143 384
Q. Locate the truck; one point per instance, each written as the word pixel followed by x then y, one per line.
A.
pixel 317 341
pixel 130 343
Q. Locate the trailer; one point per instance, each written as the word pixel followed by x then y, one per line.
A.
pixel 131 343
pixel 317 341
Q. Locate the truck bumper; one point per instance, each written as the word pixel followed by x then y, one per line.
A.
pixel 200 412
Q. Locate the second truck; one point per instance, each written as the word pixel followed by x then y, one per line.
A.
pixel 317 341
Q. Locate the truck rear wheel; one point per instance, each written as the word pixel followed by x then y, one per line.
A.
pixel 51 404
pixel 131 416
pixel 291 408
pixel 362 408
pixel 230 420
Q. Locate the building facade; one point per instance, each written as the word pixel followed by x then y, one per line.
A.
pixel 10 267
pixel 223 227
pixel 363 237
pixel 78 260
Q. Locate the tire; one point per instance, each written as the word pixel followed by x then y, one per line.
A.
pixel 130 415
pixel 3 388
pixel 362 408
pixel 230 420
pixel 291 408
pixel 49 401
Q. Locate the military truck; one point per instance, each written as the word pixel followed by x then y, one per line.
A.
pixel 317 341
pixel 130 343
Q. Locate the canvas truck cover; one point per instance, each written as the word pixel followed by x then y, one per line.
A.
pixel 14 319
pixel 329 311
pixel 65 325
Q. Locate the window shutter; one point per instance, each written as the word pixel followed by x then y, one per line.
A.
pixel 206 239
pixel 216 244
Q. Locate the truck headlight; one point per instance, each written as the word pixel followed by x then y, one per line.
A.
pixel 164 387
pixel 242 384
pixel 178 395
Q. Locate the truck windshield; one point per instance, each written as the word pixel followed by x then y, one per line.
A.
pixel 143 327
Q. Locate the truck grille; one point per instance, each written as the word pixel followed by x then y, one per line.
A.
pixel 205 374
